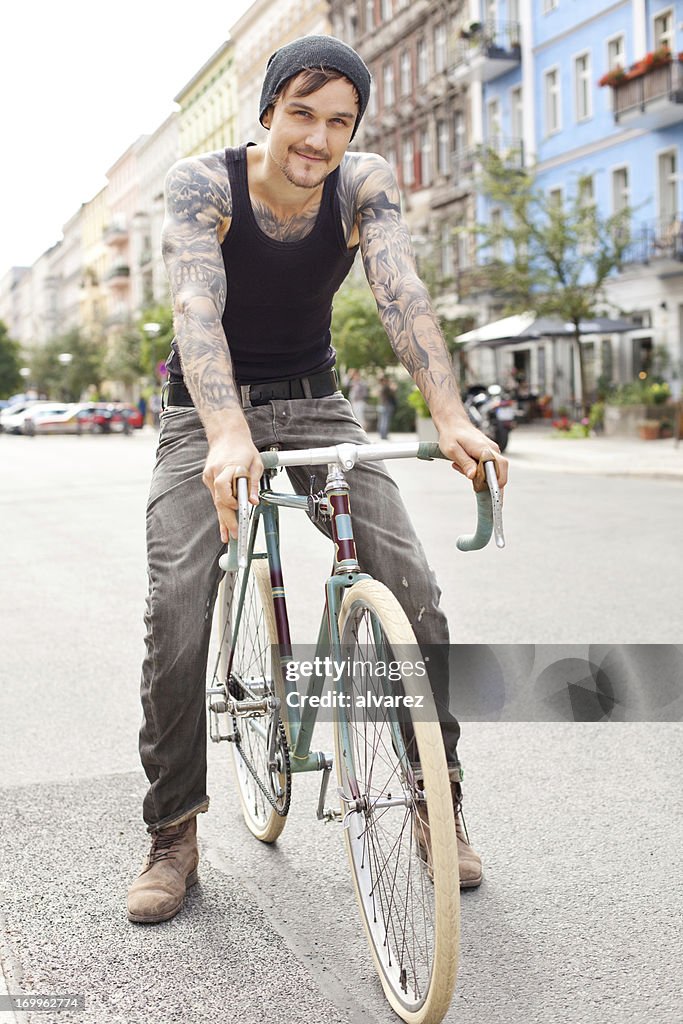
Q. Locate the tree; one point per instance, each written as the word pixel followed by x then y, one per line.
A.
pixel 67 380
pixel 10 364
pixel 156 329
pixel 551 255
pixel 357 331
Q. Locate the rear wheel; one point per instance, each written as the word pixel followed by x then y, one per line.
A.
pixel 249 673
pixel 396 797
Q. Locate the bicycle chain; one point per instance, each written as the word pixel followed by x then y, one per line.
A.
pixel 272 800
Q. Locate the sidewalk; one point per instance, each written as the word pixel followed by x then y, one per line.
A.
pixel 538 447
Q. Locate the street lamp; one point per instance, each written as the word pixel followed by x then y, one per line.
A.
pixel 65 358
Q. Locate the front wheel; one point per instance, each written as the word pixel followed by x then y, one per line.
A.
pixel 396 799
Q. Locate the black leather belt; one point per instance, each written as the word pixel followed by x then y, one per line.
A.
pixel 317 385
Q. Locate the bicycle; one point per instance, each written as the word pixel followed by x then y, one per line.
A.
pixel 391 766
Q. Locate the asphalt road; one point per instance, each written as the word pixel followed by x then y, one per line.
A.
pixel 579 917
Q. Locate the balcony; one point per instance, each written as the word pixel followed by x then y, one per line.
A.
pixel 487 50
pixel 118 275
pixel 652 99
pixel 115 233
pixel 657 243
pixel 466 164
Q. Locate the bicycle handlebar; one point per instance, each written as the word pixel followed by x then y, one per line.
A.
pixel 485 483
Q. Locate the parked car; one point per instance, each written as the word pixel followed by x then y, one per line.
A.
pixel 109 418
pixel 12 419
pixel 54 421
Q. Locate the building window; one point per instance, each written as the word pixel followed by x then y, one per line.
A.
pixel 549 5
pixel 516 113
pixel 459 131
pixel 586 190
pixel 386 10
pixel 440 47
pixel 582 87
pixel 616 53
pixel 493 121
pixel 513 11
pixel 372 102
pixel 369 15
pixel 551 94
pixel 620 189
pixel 388 85
pixel 668 186
pixel 406 65
pixel 442 147
pixel 446 251
pixel 408 162
pixel 664 30
pixel 392 160
pixel 425 158
pixel 422 61
pixel 555 198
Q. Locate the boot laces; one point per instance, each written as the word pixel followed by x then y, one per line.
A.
pixel 164 843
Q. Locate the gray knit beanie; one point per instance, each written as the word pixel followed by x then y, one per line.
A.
pixel 311 52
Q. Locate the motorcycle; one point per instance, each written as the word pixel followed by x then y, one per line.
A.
pixel 491 412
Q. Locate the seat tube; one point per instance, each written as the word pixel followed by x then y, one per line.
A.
pixel 337 491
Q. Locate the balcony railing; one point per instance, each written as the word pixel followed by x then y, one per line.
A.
pixel 465 164
pixel 119 274
pixel 487 50
pixel 654 98
pixel 654 241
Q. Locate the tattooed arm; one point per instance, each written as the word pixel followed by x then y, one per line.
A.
pixel 198 212
pixel 406 310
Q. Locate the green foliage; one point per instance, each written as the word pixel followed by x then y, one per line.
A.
pixel 357 331
pixel 403 420
pixel 10 364
pixel 551 256
pixel 123 362
pixel 596 417
pixel 416 401
pixel 68 382
pixel 639 392
pixel 155 347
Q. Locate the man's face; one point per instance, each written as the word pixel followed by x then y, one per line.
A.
pixel 309 134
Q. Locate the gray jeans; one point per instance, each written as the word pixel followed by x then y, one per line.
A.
pixel 183 548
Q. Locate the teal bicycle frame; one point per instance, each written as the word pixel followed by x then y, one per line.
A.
pixel 334 507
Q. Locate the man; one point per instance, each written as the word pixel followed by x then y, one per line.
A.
pixel 256 242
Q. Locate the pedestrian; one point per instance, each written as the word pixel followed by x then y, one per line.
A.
pixel 257 240
pixel 155 408
pixel 386 406
pixel 358 396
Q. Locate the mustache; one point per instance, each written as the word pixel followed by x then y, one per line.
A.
pixel 317 154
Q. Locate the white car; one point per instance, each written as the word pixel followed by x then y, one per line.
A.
pixel 12 419
pixel 52 420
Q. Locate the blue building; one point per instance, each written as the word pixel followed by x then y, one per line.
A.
pixel 592 89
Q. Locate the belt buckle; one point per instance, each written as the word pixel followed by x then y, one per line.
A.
pixel 245 395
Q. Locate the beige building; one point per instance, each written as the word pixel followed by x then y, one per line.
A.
pixel 94 291
pixel 264 28
pixel 154 158
pixel 208 105
pixel 14 286
pixel 123 242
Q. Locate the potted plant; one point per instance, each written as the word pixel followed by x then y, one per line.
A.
pixel 424 425
pixel 648 430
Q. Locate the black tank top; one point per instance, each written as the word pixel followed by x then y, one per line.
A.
pixel 279 299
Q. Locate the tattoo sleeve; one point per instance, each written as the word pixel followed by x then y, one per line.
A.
pixel 403 301
pixel 198 208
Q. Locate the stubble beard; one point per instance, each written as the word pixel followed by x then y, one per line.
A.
pixel 291 176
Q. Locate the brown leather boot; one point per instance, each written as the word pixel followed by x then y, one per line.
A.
pixel 169 869
pixel 469 861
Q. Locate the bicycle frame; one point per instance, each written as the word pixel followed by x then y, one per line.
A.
pixel 346 571
pixel 300 722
